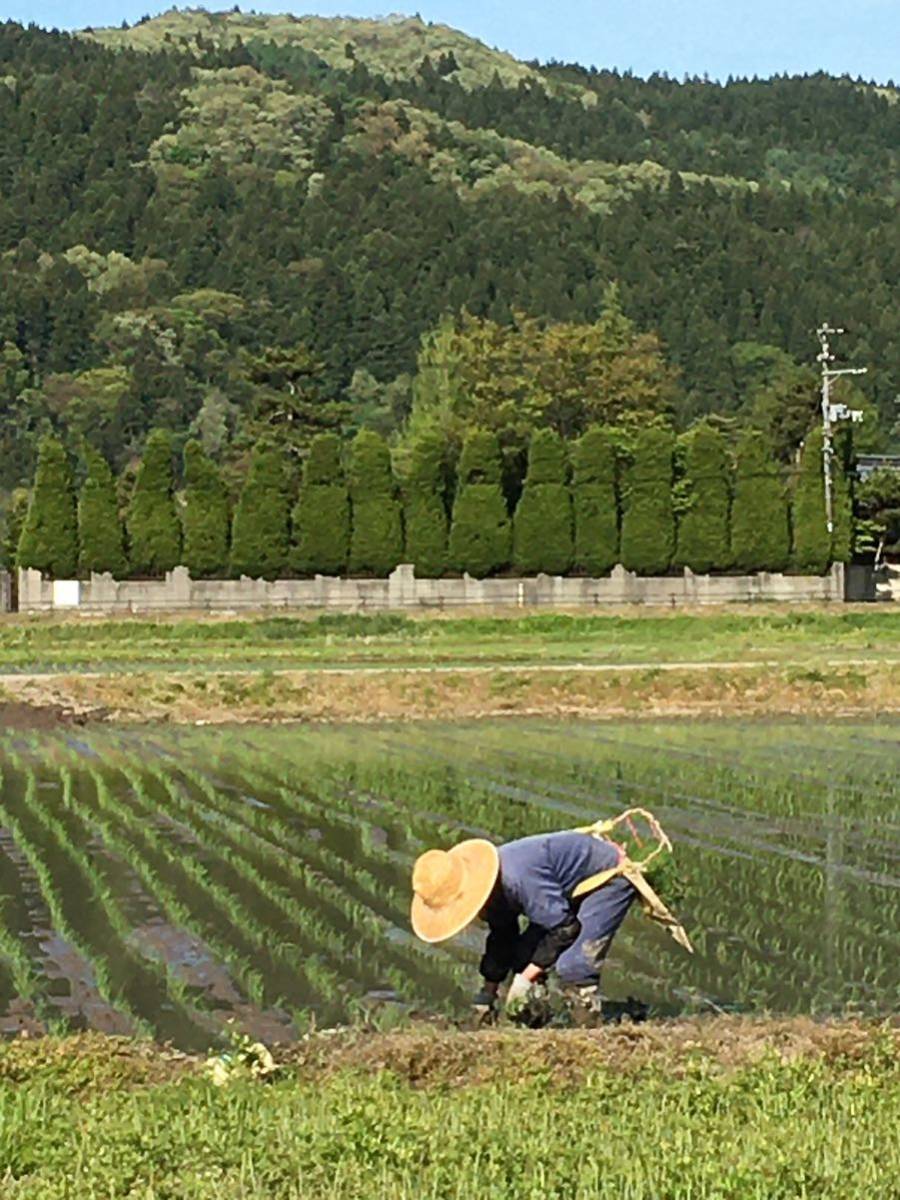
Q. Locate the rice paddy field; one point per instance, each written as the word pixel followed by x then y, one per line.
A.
pixel 167 881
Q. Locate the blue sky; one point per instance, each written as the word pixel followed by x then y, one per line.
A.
pixel 720 37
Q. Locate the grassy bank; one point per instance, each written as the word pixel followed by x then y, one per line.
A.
pixel 404 693
pixel 627 636
pixel 723 1109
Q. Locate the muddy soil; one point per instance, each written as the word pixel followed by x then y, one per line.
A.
pixel 16 715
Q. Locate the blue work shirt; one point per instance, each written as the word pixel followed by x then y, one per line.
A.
pixel 537 877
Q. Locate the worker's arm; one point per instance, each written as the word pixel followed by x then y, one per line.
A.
pixel 500 948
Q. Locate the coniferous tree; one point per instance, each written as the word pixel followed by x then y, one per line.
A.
pixel 760 532
pixel 594 502
pixel 15 521
pixel 542 526
pixel 205 517
pixel 703 540
pixel 321 524
pixel 425 517
pixel 100 533
pixel 648 520
pixel 376 538
pixel 49 539
pixel 480 529
pixel 260 539
pixel 842 540
pixel 809 522
pixel 154 533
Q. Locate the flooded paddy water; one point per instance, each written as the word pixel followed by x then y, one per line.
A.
pixel 167 881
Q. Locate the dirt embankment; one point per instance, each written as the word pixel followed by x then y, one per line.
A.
pixel 431 1056
pixel 460 693
pixel 19 714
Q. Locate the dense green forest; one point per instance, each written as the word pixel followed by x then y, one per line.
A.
pixel 234 228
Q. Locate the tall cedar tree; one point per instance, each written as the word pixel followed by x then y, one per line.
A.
pixel 260 540
pixel 376 538
pixel 321 524
pixel 204 516
pixel 842 540
pixel 809 522
pixel 480 530
pixel 100 533
pixel 49 541
pixel 15 522
pixel 648 519
pixel 704 541
pixel 425 517
pixel 594 502
pixel 154 532
pixel 542 526
pixel 760 531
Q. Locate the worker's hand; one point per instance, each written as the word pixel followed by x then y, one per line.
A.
pixel 518 994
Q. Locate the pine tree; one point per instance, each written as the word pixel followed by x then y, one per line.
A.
pixel 594 502
pixel 648 519
pixel 425 517
pixel 259 539
pixel 542 526
pixel 812 540
pixel 154 533
pixel 480 530
pixel 376 538
pixel 49 540
pixel 760 533
pixel 321 543
pixel 204 516
pixel 704 541
pixel 100 533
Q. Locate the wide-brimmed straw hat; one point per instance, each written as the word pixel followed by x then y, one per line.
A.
pixel 450 888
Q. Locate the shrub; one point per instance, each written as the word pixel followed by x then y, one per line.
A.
pixel 321 520
pixel 49 539
pixel 425 517
pixel 154 532
pixel 100 533
pixel 259 536
pixel 205 516
pixel 542 527
pixel 648 520
pixel 480 531
pixel 595 509
pixel 704 536
pixel 760 533
pixel 376 539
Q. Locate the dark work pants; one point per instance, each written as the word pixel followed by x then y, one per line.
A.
pixel 600 913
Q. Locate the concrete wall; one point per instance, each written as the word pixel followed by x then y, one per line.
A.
pixel 178 592
pixel 5 592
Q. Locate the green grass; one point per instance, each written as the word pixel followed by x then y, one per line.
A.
pixel 814 1127
pixel 386 638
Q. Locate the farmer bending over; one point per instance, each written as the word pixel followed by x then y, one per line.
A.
pixel 573 888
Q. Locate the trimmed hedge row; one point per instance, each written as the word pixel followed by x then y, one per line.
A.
pixel 583 507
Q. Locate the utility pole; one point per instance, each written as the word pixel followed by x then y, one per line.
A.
pixel 832 412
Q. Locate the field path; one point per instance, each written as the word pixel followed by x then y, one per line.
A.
pixel 11 678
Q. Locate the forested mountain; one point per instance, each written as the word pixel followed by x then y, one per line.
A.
pixel 225 225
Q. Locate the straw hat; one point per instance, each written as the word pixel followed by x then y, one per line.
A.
pixel 451 887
